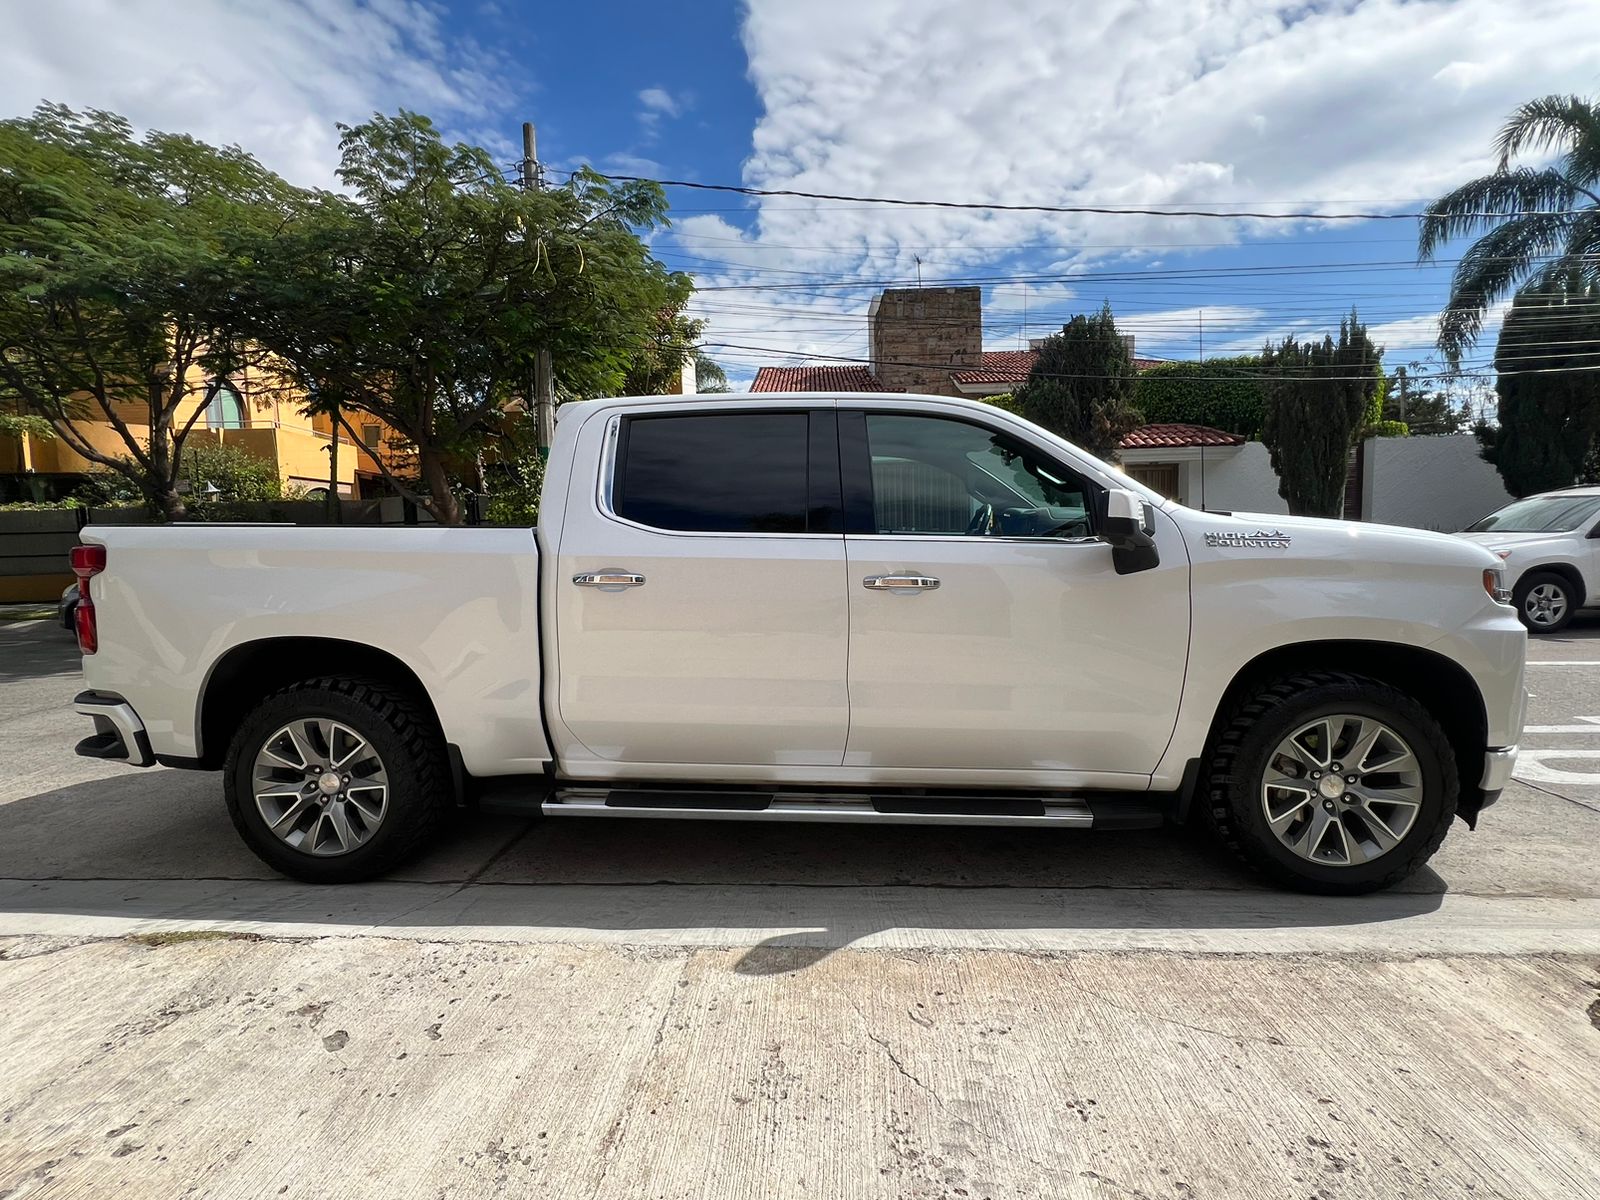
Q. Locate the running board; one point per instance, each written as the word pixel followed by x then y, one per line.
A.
pixel 1136 811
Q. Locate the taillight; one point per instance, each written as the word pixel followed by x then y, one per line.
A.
pixel 87 562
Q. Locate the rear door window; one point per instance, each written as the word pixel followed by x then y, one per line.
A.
pixel 714 472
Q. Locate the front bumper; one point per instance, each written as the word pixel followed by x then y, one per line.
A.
pixel 118 731
pixel 1497 767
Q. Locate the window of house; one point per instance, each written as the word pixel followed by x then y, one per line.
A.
pixel 931 475
pixel 224 408
pixel 369 435
pixel 714 472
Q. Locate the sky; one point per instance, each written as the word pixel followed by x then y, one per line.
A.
pixel 1330 107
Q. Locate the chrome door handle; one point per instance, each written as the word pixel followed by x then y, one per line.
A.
pixel 895 583
pixel 608 579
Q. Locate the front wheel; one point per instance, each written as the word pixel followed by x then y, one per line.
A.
pixel 1544 601
pixel 337 780
pixel 1332 783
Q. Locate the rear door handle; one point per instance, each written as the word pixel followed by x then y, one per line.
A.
pixel 608 579
pixel 900 583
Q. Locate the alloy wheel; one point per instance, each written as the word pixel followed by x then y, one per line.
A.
pixel 320 786
pixel 1545 604
pixel 1342 790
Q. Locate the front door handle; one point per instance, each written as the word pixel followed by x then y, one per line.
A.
pixel 900 583
pixel 608 579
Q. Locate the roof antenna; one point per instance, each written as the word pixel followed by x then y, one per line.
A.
pixel 918 258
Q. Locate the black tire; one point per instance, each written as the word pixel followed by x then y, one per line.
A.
pixel 1241 754
pixel 1550 579
pixel 406 737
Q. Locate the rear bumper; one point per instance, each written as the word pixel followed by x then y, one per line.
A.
pixel 119 734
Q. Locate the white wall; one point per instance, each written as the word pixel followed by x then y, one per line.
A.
pixel 1235 480
pixel 1429 482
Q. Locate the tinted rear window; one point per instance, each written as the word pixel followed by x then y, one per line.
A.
pixel 714 472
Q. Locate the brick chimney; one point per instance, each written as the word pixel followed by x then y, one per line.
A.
pixel 917 336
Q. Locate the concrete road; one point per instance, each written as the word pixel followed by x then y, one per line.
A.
pixel 661 1009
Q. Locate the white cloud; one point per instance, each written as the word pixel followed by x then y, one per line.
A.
pixel 274 78
pixel 659 100
pixel 1341 106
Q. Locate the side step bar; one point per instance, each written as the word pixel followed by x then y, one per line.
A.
pixel 1133 811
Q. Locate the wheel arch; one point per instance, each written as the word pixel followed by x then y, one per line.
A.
pixel 1440 684
pixel 1566 570
pixel 249 672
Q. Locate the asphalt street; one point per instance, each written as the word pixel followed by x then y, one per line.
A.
pixel 625 1009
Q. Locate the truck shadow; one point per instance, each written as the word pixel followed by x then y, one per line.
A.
pixel 158 845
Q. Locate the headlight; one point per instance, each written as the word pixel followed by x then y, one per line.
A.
pixel 1494 582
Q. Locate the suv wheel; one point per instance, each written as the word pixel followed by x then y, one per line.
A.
pixel 337 780
pixel 1332 783
pixel 1544 601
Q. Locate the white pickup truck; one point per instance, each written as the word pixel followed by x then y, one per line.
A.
pixel 818 608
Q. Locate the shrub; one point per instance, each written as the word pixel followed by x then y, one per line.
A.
pixel 1387 429
pixel 515 500
pixel 235 473
pixel 1224 393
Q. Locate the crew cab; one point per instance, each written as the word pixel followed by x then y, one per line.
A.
pixel 1550 544
pixel 862 608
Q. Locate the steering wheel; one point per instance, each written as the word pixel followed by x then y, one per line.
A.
pixel 982 523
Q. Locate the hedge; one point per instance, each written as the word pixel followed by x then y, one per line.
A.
pixel 1224 393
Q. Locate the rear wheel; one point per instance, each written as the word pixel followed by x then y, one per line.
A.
pixel 337 781
pixel 1544 601
pixel 1332 783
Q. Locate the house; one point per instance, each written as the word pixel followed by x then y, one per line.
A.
pixel 240 411
pixel 927 340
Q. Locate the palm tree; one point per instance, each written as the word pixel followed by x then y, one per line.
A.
pixel 1540 226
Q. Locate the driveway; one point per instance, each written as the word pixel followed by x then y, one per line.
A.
pixel 662 1008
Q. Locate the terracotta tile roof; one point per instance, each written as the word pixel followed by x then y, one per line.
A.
pixel 1012 366
pixel 1169 437
pixel 816 379
pixel 999 366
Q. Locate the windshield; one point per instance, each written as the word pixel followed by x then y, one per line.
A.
pixel 1540 514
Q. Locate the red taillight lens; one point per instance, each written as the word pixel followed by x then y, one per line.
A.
pixel 88 634
pixel 87 562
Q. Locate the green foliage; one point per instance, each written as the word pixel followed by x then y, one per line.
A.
pixel 1387 429
pixel 656 367
pixel 1422 410
pixel 14 425
pixel 515 499
pixel 119 274
pixel 709 377
pixel 1224 393
pixel 1081 385
pixel 1318 394
pixel 1537 227
pixel 1548 393
pixel 425 295
pixel 235 473
pixel 1003 400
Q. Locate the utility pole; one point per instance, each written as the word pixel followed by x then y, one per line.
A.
pixel 544 376
pixel 1202 315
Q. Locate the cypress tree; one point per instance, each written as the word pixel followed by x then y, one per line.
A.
pixel 1081 385
pixel 1317 397
pixel 1548 390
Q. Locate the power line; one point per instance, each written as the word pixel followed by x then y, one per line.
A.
pixel 1084 209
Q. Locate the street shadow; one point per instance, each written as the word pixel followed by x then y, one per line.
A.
pixel 158 845
pixel 29 649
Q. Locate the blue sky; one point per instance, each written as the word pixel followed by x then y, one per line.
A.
pixel 1334 106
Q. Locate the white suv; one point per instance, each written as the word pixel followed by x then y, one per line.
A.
pixel 1551 547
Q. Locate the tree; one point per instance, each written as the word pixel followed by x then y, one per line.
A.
pixel 117 277
pixel 1547 390
pixel 1082 384
pixel 1421 410
pixel 656 367
pixel 1224 393
pixel 424 297
pixel 1318 395
pixel 1539 224
pixel 710 379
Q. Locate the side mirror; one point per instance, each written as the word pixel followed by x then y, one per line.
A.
pixel 1130 532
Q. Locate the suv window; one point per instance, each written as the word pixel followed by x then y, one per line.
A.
pixel 932 475
pixel 1541 514
pixel 714 472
